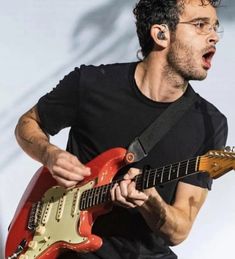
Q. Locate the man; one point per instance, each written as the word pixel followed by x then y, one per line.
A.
pixel 109 105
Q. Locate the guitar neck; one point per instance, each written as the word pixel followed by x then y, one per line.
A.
pixel 162 175
pixel 148 179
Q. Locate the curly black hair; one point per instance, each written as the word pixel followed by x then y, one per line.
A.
pixel 150 12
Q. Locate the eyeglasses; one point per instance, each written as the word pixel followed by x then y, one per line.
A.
pixel 204 27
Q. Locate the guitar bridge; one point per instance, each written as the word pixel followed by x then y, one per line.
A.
pixel 35 216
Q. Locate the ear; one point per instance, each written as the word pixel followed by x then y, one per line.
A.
pixel 160 35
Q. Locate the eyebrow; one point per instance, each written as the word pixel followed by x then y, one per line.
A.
pixel 205 19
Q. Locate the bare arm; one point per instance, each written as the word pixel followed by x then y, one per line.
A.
pixel 172 222
pixel 64 167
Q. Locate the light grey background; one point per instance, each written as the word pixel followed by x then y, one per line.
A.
pixel 41 41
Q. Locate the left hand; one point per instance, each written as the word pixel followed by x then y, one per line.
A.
pixel 125 193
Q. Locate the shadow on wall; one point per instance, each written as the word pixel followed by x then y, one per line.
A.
pixel 113 32
pixel 103 34
pixel 111 38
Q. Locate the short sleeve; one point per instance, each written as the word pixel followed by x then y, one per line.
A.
pixel 215 142
pixel 58 109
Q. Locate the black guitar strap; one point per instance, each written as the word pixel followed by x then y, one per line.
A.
pixel 141 146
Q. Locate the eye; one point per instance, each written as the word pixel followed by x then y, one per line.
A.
pixel 200 24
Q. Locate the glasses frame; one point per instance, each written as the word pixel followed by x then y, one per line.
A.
pixel 217 28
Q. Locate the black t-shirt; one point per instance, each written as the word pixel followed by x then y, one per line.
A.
pixel 105 109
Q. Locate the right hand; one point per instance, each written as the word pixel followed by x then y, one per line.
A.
pixel 65 168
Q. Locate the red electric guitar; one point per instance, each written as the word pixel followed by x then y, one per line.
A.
pixel 50 218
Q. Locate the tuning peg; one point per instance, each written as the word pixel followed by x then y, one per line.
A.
pixel 227 149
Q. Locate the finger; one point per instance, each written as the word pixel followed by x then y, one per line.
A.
pixel 74 160
pixel 121 200
pixel 112 192
pixel 64 183
pixel 124 187
pixel 77 168
pixel 63 157
pixel 67 175
pixel 132 172
pixel 129 191
pixel 134 193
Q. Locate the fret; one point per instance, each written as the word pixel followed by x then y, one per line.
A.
pixel 186 171
pixel 155 176
pixel 197 163
pixel 86 200
pixel 169 173
pixel 108 188
pixel 92 194
pixel 174 171
pixel 159 175
pixel 89 198
pixel 100 195
pixel 181 170
pixel 192 166
pixel 143 179
pixel 96 196
pixel 147 177
pixel 104 195
pixel 103 192
pixel 166 174
pixel 83 201
pixel 178 168
pixel 162 174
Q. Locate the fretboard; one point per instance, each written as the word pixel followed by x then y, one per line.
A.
pixel 148 179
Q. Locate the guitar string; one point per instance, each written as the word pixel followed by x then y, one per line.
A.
pixel 165 170
pixel 152 172
pixel 89 194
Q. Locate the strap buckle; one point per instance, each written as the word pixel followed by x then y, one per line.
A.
pixel 135 152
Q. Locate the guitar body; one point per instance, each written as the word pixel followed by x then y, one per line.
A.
pixel 62 224
pixel 50 218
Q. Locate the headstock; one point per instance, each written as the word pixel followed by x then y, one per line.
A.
pixel 218 162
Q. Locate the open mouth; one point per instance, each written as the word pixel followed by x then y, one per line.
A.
pixel 207 58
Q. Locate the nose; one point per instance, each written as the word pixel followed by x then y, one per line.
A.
pixel 213 37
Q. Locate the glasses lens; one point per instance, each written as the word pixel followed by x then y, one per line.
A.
pixel 220 31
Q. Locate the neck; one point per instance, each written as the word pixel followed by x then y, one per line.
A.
pixel 154 80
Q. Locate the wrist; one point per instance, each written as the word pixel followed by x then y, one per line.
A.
pixel 48 154
pixel 154 210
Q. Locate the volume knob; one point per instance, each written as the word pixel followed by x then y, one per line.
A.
pixel 33 244
pixel 40 230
